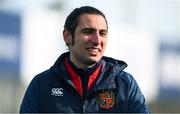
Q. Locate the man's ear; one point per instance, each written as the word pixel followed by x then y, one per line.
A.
pixel 67 37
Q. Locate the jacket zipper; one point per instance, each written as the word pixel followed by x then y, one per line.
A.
pixel 84 104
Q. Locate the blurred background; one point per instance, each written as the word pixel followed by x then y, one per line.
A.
pixel 144 33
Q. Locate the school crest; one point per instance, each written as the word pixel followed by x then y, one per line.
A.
pixel 106 99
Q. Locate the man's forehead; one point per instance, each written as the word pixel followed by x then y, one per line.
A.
pixel 92 20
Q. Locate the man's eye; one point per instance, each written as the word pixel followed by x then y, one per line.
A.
pixel 88 31
pixel 103 33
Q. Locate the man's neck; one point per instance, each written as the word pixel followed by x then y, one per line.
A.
pixel 82 65
pixel 83 70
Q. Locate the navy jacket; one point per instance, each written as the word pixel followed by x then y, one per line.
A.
pixel 113 91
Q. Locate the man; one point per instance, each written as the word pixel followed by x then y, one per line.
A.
pixel 83 80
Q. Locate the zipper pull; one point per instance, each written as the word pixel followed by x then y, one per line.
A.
pixel 84 107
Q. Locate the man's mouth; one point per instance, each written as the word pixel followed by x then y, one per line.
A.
pixel 93 50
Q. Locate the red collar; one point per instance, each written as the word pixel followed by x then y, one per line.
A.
pixel 77 80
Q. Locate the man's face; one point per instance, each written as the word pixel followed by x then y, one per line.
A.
pixel 90 39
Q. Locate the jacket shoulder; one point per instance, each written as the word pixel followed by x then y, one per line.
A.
pixel 125 77
pixel 47 74
pixel 113 61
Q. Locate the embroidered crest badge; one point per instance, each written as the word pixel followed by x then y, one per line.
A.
pixel 106 99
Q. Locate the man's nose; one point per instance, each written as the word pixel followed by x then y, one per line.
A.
pixel 96 38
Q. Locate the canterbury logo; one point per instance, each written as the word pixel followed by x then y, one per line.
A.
pixel 57 91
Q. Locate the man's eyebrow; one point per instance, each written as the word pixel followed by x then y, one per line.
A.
pixel 93 29
pixel 84 29
pixel 104 30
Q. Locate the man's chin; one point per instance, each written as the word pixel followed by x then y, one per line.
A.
pixel 93 60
